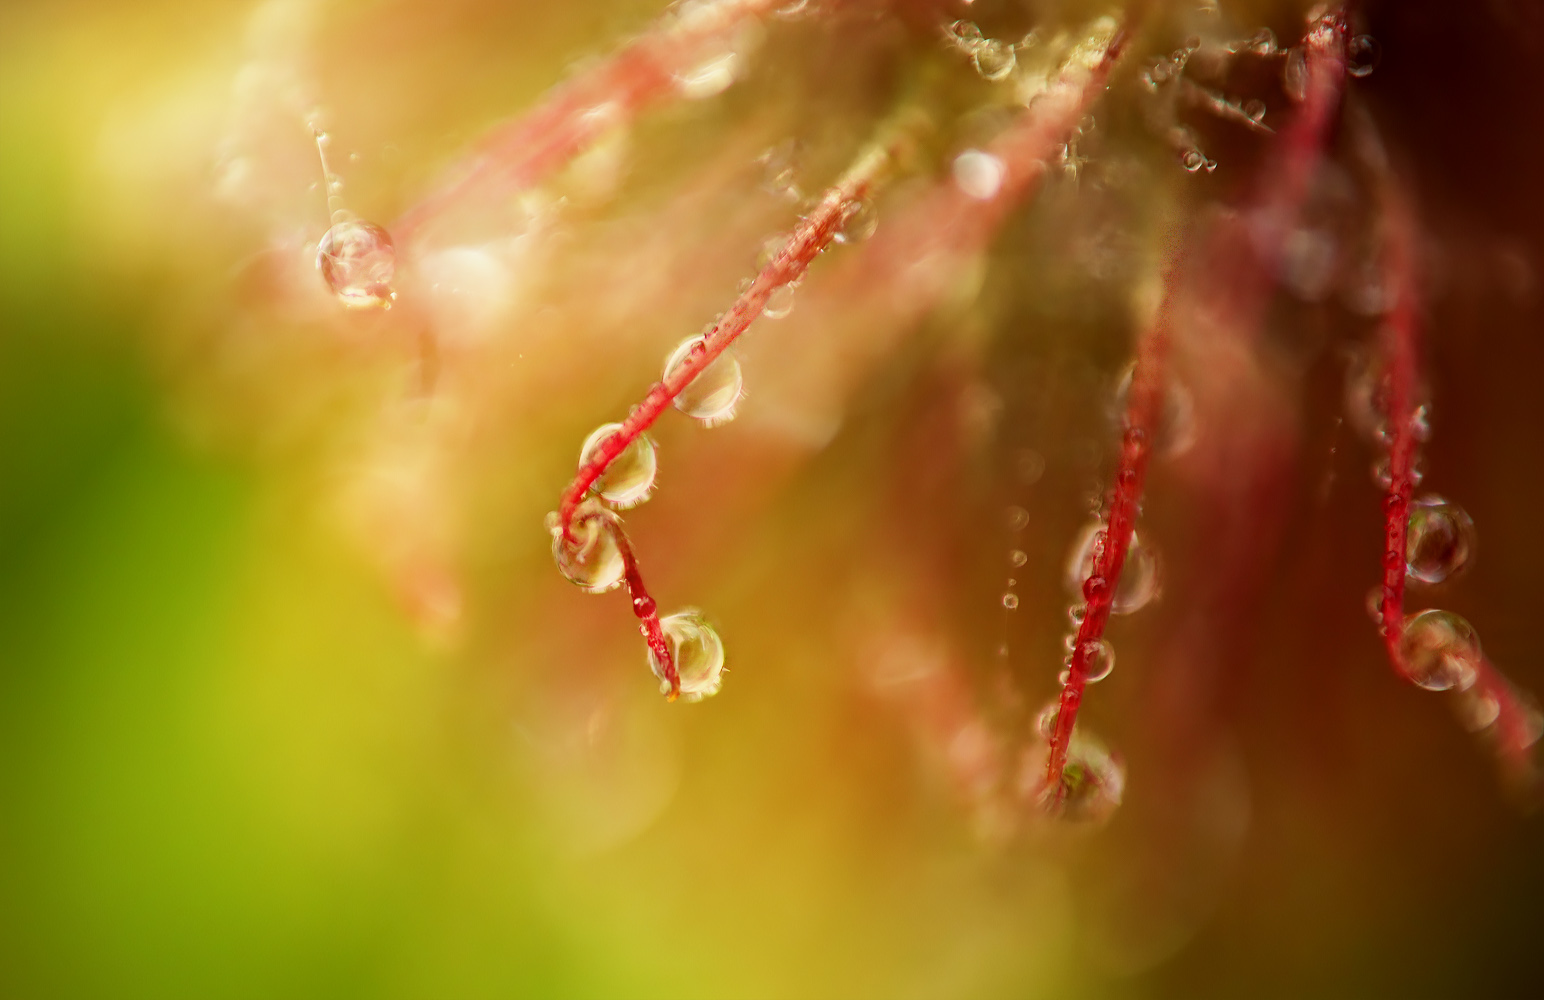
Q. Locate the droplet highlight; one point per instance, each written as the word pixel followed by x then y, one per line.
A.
pixel 1440 539
pixel 592 559
pixel 1440 651
pixel 629 479
pixel 712 396
pixel 698 653
pixel 358 262
pixel 1138 579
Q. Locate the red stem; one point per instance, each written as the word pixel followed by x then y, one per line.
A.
pixel 532 147
pixel 644 605
pixel 1401 344
pixel 1287 184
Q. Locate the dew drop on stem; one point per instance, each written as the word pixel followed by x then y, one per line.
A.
pixel 1363 55
pixel 1099 660
pixel 629 479
pixel 1440 539
pixel 1176 430
pixel 994 60
pixel 593 560
pixel 711 396
pixel 358 262
pixel 1440 651
pixel 698 653
pixel 779 303
pixel 1093 781
pixel 1138 579
pixel 859 222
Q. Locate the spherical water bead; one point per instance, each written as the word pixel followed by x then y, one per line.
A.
pixel 1363 55
pixel 859 224
pixel 965 34
pixel 1440 539
pixel 1138 578
pixel 1440 651
pixel 994 60
pixel 712 395
pixel 698 653
pixel 1176 430
pixel 1383 473
pixel 1045 721
pixel 629 479
pixel 1099 660
pixel 1093 781
pixel 358 261
pixel 1477 708
pixel 1017 557
pixel 593 559
pixel 1010 601
pixel 779 303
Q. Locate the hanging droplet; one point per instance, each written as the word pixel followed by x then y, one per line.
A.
pixel 1176 430
pixel 1010 601
pixel 1294 75
pixel 994 60
pixel 1440 539
pixel 965 34
pixel 1440 651
pixel 1363 55
pixel 629 479
pixel 1045 721
pixel 1093 781
pixel 698 653
pixel 779 303
pixel 859 222
pixel 1099 660
pixel 592 560
pixel 780 173
pixel 1138 579
pixel 712 395
pixel 1477 708
pixel 1374 604
pixel 978 174
pixel 1017 558
pixel 1420 423
pixel 358 262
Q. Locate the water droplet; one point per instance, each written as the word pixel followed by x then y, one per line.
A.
pixel 1477 708
pixel 1076 613
pixel 1263 43
pixel 965 34
pixel 1063 677
pixel 780 174
pixel 860 222
pixel 698 653
pixel 1010 601
pixel 994 60
pixel 1138 579
pixel 593 560
pixel 1420 423
pixel 1017 558
pixel 779 303
pixel 358 261
pixel 1294 75
pixel 1093 781
pixel 1045 721
pixel 712 395
pixel 1255 110
pixel 1176 430
pixel 629 479
pixel 1440 540
pixel 1363 55
pixel 1440 651
pixel 1099 660
pixel 1018 518
pixel 979 174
